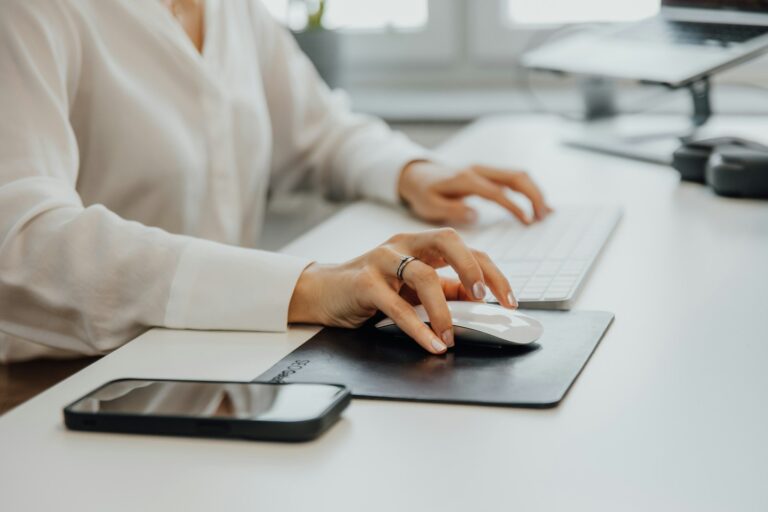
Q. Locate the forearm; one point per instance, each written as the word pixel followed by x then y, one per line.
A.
pixel 86 280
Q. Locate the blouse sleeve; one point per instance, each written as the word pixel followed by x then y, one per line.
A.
pixel 348 155
pixel 80 278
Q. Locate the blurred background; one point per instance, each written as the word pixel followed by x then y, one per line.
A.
pixel 429 67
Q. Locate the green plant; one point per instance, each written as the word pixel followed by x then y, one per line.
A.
pixel 315 13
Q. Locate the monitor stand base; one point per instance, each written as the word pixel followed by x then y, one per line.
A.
pixel 625 136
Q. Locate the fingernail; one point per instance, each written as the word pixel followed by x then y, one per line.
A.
pixel 448 337
pixel 478 290
pixel 470 216
pixel 438 345
pixel 511 299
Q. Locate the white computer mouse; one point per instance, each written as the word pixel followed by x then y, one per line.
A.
pixel 477 323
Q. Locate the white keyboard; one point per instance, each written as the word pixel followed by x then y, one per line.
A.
pixel 547 262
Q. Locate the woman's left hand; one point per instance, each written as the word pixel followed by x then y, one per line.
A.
pixel 437 194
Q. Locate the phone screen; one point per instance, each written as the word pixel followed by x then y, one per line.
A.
pixel 251 401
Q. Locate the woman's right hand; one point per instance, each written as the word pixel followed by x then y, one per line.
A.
pixel 348 294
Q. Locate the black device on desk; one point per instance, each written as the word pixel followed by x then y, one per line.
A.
pixel 251 410
pixel 732 166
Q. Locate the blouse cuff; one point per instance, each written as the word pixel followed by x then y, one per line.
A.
pixel 381 184
pixel 223 287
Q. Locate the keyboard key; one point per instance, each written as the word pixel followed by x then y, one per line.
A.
pixel 529 296
pixel 518 268
pixel 573 267
pixel 564 280
pixel 538 282
pixel 549 268
pixel 559 290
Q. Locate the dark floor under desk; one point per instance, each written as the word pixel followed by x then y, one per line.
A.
pixel 21 381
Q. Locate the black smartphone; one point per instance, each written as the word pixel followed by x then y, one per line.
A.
pixel 251 410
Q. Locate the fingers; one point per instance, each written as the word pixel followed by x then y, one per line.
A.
pixel 477 184
pixel 396 308
pixel 474 268
pixel 453 211
pixel 423 279
pixel 496 280
pixel 436 208
pixel 454 290
pixel 520 182
pixel 450 247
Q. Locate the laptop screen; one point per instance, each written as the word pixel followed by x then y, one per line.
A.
pixel 735 5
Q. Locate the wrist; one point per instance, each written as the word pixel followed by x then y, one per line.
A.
pixel 408 180
pixel 305 305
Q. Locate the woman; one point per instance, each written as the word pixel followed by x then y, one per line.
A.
pixel 139 141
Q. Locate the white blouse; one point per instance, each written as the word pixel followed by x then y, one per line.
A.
pixel 134 171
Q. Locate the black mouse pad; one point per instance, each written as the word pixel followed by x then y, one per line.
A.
pixel 377 365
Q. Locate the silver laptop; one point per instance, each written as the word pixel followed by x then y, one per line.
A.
pixel 686 41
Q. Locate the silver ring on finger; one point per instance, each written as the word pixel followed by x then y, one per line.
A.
pixel 401 267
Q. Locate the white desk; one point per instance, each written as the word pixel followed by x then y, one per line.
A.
pixel 669 414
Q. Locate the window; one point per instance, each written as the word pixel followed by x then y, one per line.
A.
pixel 393 15
pixel 382 32
pixel 357 15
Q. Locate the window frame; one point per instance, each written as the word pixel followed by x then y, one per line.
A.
pixel 493 40
pixel 432 44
